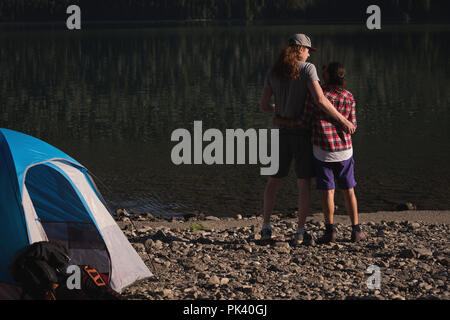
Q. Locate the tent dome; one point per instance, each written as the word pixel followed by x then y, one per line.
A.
pixel 47 195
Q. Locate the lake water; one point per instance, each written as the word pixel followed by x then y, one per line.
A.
pixel 111 98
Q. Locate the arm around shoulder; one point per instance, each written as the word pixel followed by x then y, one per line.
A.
pixel 323 103
pixel 317 93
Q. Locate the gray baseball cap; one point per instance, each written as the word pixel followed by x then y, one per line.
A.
pixel 301 40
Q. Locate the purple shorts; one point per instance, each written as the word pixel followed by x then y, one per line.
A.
pixel 327 172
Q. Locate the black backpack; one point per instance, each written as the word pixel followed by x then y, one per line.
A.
pixel 39 267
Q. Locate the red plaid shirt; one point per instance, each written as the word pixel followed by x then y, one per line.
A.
pixel 326 132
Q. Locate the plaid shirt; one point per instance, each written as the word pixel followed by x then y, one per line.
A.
pixel 326 132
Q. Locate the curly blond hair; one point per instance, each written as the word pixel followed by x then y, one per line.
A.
pixel 286 67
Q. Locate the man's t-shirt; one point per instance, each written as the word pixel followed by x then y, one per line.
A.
pixel 290 95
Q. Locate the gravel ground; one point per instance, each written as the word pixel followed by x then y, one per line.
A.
pixel 223 258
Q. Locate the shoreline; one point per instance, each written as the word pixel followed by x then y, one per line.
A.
pixel 221 223
pixel 222 258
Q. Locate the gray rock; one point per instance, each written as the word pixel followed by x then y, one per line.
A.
pixel 212 218
pixel 414 225
pixel 125 213
pixel 273 267
pixel 425 286
pixel 167 293
pixel 405 206
pixel 159 235
pixel 407 253
pixel 200 267
pixel 380 233
pixel 158 245
pixel 425 267
pixel 443 260
pixel 214 280
pixel 423 253
pixel 139 247
pixel 282 244
pixel 246 289
pixel 149 244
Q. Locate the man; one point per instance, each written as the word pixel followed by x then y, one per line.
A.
pixel 289 80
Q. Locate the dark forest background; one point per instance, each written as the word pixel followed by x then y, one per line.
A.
pixel 314 11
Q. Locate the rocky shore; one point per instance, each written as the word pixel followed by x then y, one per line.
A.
pixel 223 258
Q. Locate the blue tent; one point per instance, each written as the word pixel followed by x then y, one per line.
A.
pixel 47 195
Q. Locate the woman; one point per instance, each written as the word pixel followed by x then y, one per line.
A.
pixel 289 80
pixel 333 151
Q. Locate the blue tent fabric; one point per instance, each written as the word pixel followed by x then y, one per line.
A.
pixel 12 237
pixel 57 200
pixel 19 152
pixel 26 150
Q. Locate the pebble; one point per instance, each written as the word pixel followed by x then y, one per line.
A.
pixel 423 252
pixel 414 225
pixel 212 218
pixel 214 280
pixel 167 293
pixel 158 245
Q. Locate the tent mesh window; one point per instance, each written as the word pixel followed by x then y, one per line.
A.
pixel 65 218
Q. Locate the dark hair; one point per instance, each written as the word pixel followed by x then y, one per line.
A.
pixel 336 74
pixel 286 67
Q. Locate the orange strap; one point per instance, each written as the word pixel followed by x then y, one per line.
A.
pixel 95 276
pixel 50 294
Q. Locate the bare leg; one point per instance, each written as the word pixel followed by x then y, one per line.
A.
pixel 304 200
pixel 328 206
pixel 351 205
pixel 269 197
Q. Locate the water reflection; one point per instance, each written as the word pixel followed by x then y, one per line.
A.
pixel 111 98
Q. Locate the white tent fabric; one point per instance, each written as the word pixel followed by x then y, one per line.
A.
pixel 126 265
pixel 35 231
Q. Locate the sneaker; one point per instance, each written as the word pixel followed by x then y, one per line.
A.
pixel 327 237
pixel 358 236
pixel 266 234
pixel 304 238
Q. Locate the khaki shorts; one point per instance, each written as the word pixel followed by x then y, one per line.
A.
pixel 295 143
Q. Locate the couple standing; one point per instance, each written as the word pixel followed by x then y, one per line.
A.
pixel 315 126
